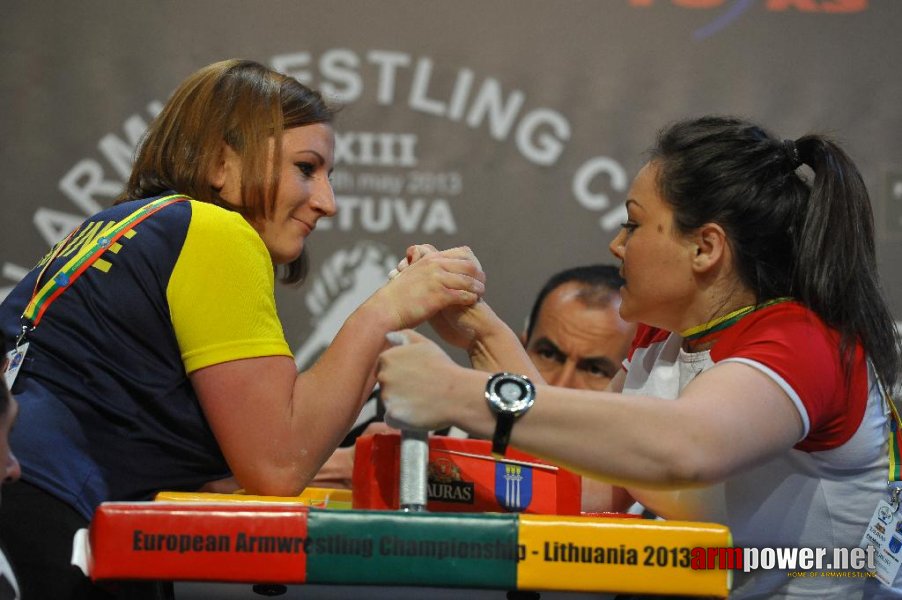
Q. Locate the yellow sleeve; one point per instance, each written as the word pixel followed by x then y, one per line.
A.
pixel 220 293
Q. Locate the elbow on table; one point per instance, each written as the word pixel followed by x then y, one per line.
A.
pixel 274 481
pixel 277 488
pixel 694 465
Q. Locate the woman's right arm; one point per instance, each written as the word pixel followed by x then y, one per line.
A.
pixel 276 426
pixel 491 345
pixel 731 417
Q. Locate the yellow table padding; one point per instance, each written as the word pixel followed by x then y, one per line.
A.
pixel 312 496
pixel 627 555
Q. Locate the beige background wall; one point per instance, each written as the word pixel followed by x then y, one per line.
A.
pixel 512 126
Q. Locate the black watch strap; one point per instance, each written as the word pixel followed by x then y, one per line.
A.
pixel 503 427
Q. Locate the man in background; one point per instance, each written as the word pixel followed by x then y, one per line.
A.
pixel 574 334
pixel 576 339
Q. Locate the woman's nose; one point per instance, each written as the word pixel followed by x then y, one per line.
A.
pixel 323 199
pixel 617 244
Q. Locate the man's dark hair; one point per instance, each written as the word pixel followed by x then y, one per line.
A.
pixel 600 282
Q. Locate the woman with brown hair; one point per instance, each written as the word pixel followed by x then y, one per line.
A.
pixel 151 353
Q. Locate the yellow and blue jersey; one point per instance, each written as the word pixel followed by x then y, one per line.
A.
pixel 107 411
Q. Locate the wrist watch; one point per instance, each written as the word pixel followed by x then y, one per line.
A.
pixel 509 396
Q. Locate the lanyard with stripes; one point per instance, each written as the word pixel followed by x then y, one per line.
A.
pixel 721 323
pixel 895 443
pixel 44 296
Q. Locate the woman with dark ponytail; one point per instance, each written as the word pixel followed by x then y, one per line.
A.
pixel 752 395
pixel 810 241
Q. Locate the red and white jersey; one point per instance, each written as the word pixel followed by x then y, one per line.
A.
pixel 820 494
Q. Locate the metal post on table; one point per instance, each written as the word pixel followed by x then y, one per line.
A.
pixel 412 483
pixel 412 478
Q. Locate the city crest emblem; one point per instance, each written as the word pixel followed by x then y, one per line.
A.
pixel 513 486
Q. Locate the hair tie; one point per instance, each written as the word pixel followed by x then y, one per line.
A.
pixel 792 151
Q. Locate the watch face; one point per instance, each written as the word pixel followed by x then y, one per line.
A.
pixel 509 393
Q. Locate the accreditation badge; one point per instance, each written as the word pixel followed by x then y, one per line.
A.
pixel 884 533
pixel 14 362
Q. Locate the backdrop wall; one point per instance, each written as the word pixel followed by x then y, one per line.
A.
pixel 512 126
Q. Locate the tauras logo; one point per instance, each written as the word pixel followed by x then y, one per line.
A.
pixel 344 281
pixel 454 491
pixel 445 483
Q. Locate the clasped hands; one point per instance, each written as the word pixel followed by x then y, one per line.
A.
pixel 415 373
pixel 428 282
pixel 457 324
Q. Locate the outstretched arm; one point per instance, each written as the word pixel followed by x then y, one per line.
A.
pixel 729 418
pixel 276 427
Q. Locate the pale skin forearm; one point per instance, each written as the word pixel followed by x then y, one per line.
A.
pixel 587 435
pixel 328 395
pixel 569 430
pixel 495 347
pixel 727 419
pixel 649 442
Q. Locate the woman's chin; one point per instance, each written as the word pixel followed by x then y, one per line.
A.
pixel 283 256
pixel 625 308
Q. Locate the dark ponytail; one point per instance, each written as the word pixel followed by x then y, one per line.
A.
pixel 812 241
pixel 836 261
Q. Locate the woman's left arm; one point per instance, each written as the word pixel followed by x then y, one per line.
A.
pixel 729 418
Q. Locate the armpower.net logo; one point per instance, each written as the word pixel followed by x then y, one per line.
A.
pixel 798 562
